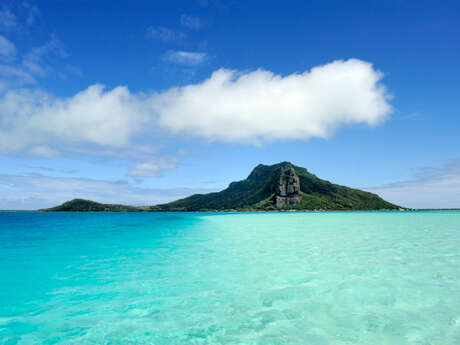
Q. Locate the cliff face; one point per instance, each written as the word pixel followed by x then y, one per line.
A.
pixel 288 191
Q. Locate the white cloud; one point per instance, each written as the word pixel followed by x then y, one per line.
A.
pixel 94 122
pixel 190 21
pixel 152 168
pixel 257 106
pixel 96 116
pixel 7 49
pixel 250 107
pixel 37 191
pixel 164 34
pixel 185 58
pixel 432 188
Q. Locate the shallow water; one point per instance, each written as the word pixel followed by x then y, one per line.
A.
pixel 204 278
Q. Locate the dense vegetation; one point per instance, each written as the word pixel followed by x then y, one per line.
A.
pixel 256 192
pixel 82 205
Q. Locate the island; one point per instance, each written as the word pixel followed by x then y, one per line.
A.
pixel 278 187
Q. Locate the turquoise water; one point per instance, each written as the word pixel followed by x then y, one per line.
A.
pixel 275 278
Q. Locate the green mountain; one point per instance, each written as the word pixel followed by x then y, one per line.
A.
pixel 82 205
pixel 282 186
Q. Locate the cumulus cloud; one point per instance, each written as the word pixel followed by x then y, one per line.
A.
pixel 430 188
pixel 190 21
pixel 164 34
pixel 185 58
pixel 256 106
pixel 249 108
pixel 38 191
pixel 32 119
pixel 7 49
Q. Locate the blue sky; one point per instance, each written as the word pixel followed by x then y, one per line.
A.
pixel 143 102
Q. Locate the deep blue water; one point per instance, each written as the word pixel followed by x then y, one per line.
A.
pixel 246 278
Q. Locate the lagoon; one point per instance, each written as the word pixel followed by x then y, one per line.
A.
pixel 230 278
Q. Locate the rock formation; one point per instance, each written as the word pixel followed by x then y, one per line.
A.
pixel 288 191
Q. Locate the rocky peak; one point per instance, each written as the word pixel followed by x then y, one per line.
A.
pixel 288 190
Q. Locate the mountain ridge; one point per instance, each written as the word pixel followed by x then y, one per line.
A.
pixel 277 187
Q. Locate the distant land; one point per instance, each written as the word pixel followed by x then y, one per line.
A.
pixel 277 187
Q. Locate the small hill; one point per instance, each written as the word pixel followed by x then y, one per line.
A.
pixel 82 205
pixel 281 186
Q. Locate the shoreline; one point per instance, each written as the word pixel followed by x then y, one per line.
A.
pixel 235 211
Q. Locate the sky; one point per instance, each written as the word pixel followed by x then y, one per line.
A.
pixel 143 102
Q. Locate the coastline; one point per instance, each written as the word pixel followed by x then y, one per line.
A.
pixel 235 211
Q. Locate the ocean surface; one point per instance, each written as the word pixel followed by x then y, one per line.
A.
pixel 246 278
